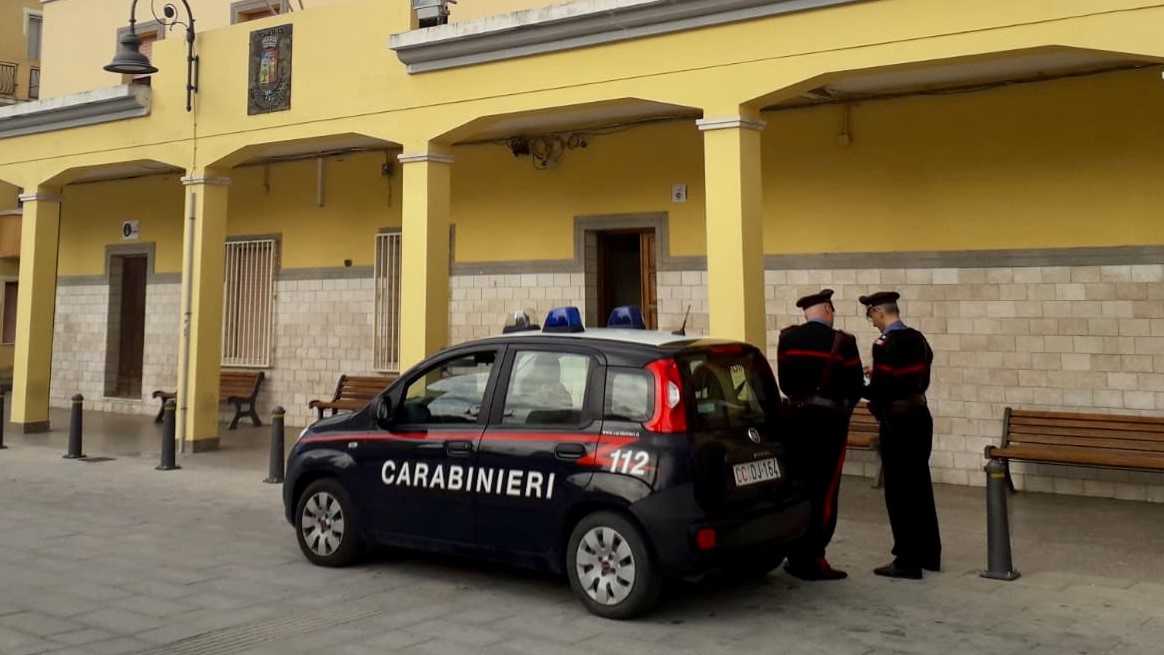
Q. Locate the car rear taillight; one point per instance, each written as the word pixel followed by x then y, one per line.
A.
pixel 670 412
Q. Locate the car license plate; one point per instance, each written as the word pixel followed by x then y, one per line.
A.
pixel 755 472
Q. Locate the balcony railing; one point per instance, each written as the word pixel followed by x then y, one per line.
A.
pixel 7 79
pixel 33 83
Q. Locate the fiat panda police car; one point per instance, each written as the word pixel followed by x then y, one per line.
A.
pixel 617 455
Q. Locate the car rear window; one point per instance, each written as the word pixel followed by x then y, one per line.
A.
pixel 628 394
pixel 729 387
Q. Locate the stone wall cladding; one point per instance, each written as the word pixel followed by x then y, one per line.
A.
pixel 1075 338
pixel 480 304
pixel 80 341
pixel 323 329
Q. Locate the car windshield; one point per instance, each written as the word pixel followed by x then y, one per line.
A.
pixel 729 387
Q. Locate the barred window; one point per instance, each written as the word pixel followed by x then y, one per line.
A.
pixel 248 303
pixel 387 275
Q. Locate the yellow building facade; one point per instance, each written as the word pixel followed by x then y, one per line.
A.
pixel 997 164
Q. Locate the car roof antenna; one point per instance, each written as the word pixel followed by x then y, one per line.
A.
pixel 682 331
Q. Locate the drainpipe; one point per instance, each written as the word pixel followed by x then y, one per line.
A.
pixel 184 340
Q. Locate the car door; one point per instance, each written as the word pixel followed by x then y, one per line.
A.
pixel 532 461
pixel 424 459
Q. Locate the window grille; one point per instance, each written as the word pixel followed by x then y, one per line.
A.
pixel 248 303
pixel 387 276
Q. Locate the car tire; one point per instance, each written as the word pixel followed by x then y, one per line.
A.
pixel 327 525
pixel 611 567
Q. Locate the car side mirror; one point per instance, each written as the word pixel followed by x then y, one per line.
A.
pixel 383 412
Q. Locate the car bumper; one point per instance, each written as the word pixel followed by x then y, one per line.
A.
pixel 767 527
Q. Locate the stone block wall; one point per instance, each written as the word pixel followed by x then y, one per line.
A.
pixel 480 304
pixel 323 329
pixel 80 339
pixel 1077 338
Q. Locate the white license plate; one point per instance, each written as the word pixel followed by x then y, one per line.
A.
pixel 755 472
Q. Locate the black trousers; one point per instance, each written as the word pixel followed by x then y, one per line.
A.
pixel 819 453
pixel 907 437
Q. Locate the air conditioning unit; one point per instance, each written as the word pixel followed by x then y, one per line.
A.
pixel 432 12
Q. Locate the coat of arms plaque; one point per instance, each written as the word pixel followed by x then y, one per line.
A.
pixel 269 87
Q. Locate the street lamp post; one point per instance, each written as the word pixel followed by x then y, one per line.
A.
pixel 129 59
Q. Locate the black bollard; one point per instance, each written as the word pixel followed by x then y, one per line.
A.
pixel 998 561
pixel 2 446
pixel 75 429
pixel 275 470
pixel 168 426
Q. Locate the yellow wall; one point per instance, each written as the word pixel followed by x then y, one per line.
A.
pixel 8 195
pixel 1057 164
pixel 470 9
pixel 358 201
pixel 91 216
pixel 74 64
pixel 1031 166
pixel 14 40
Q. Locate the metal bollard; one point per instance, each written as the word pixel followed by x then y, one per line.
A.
pixel 275 470
pixel 168 426
pixel 75 429
pixel 2 446
pixel 998 561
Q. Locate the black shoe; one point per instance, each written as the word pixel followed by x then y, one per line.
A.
pixel 897 570
pixel 819 570
pixel 933 566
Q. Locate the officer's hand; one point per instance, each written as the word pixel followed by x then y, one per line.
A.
pixel 868 370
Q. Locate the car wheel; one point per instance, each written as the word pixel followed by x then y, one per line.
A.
pixel 327 525
pixel 611 569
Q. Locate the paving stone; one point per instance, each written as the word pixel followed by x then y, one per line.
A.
pixel 37 623
pixel 83 636
pixel 120 621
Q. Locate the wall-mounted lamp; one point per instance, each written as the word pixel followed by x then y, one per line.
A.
pixel 129 59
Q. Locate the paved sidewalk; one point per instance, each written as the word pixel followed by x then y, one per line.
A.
pixel 114 557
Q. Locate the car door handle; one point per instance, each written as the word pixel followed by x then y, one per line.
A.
pixel 570 450
pixel 459 448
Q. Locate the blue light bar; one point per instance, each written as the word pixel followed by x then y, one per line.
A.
pixel 563 319
pixel 628 316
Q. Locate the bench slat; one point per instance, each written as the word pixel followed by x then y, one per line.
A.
pixel 1085 416
pixel 1018 439
pixel 1083 456
pixel 1087 432
pixel 1110 424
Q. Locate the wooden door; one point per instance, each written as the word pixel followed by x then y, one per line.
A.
pixel 648 270
pixel 131 344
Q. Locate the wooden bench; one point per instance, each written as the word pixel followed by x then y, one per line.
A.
pixel 238 388
pixel 864 434
pixel 1112 441
pixel 352 393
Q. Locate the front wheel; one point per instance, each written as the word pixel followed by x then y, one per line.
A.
pixel 327 524
pixel 611 569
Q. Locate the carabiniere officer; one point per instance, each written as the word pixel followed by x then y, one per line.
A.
pixel 820 372
pixel 896 391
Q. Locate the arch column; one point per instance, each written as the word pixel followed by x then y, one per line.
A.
pixel 200 345
pixel 424 266
pixel 735 228
pixel 35 308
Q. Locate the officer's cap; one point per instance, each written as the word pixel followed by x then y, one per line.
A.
pixel 879 298
pixel 823 296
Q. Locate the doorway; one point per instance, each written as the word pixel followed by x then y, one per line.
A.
pixel 625 272
pixel 125 345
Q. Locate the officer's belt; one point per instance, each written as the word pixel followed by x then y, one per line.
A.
pixel 820 401
pixel 909 402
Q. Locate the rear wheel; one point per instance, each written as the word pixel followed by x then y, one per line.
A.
pixel 327 525
pixel 611 569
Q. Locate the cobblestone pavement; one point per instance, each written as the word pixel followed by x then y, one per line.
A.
pixel 114 557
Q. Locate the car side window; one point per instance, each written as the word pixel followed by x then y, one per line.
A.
pixel 449 393
pixel 628 395
pixel 546 388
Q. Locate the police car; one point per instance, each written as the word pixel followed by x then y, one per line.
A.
pixel 618 456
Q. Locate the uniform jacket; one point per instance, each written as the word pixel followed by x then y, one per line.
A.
pixel 805 351
pixel 901 368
